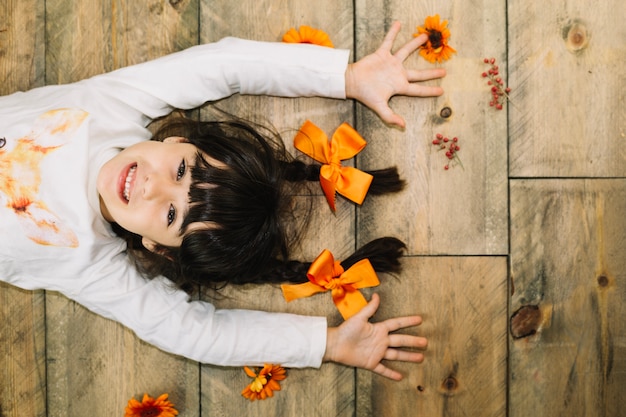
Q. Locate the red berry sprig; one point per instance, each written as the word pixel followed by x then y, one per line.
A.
pixel 499 93
pixel 451 146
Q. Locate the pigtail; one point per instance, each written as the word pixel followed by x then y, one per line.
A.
pixel 386 181
pixel 384 254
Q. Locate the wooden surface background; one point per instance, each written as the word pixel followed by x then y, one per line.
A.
pixel 516 261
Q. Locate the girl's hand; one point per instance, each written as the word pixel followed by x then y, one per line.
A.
pixel 357 342
pixel 377 77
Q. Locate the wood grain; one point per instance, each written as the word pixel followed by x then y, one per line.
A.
pixel 306 392
pixel 22 353
pixel 326 391
pixel 88 355
pixel 569 89
pixel 268 21
pixel 568 349
pixel 113 35
pixel 22 335
pixel 461 300
pixel 21 51
pixel 461 210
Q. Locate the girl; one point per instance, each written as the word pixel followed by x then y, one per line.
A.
pixel 64 179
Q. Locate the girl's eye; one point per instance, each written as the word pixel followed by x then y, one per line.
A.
pixel 171 215
pixel 181 170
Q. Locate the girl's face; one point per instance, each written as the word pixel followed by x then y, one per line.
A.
pixel 145 189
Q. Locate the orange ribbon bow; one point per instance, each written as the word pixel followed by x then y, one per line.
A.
pixel 344 144
pixel 327 274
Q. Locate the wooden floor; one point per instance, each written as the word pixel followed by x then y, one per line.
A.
pixel 516 260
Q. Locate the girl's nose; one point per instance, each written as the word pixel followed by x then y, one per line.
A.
pixel 153 187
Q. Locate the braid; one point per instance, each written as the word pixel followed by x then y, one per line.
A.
pixel 385 181
pixel 384 254
pixel 296 171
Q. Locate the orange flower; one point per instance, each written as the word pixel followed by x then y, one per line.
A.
pixel 306 34
pixel 149 407
pixel 436 48
pixel 265 382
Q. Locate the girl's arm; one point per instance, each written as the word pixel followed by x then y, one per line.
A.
pixel 209 72
pixel 164 317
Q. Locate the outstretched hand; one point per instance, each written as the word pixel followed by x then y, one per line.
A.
pixel 381 75
pixel 357 342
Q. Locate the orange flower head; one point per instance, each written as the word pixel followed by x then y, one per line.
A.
pixel 150 407
pixel 265 382
pixel 436 48
pixel 307 34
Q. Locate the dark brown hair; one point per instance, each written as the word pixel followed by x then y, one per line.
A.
pixel 247 203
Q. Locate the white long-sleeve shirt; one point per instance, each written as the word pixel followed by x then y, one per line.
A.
pixel 53 141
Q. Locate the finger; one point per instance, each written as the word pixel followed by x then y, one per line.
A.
pixel 410 47
pixel 388 116
pixel 405 340
pixel 381 369
pixel 402 322
pixel 425 75
pixel 390 37
pixel 415 90
pixel 370 309
pixel 404 356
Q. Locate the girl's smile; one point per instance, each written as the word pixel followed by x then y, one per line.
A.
pixel 145 189
pixel 127 182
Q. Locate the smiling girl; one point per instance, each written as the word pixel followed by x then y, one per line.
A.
pixel 77 165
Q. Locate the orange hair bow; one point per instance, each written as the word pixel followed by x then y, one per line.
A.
pixel 327 274
pixel 344 144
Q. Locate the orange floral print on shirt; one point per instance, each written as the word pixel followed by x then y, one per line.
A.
pixel 20 176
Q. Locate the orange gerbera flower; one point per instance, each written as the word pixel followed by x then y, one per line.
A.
pixel 265 382
pixel 306 34
pixel 149 407
pixel 436 48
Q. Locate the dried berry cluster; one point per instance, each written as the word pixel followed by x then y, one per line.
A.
pixel 499 92
pixel 451 146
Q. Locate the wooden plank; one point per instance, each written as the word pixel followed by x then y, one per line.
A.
pixel 463 302
pixel 21 51
pixel 22 353
pixel 568 336
pixel 457 211
pixel 89 355
pixel 306 392
pixel 568 88
pixel 22 335
pixel 268 20
pixel 113 35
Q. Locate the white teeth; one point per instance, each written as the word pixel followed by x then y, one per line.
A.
pixel 129 178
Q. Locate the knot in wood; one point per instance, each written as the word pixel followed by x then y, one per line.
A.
pixel 603 281
pixel 575 36
pixel 450 384
pixel 525 321
pixel 445 112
